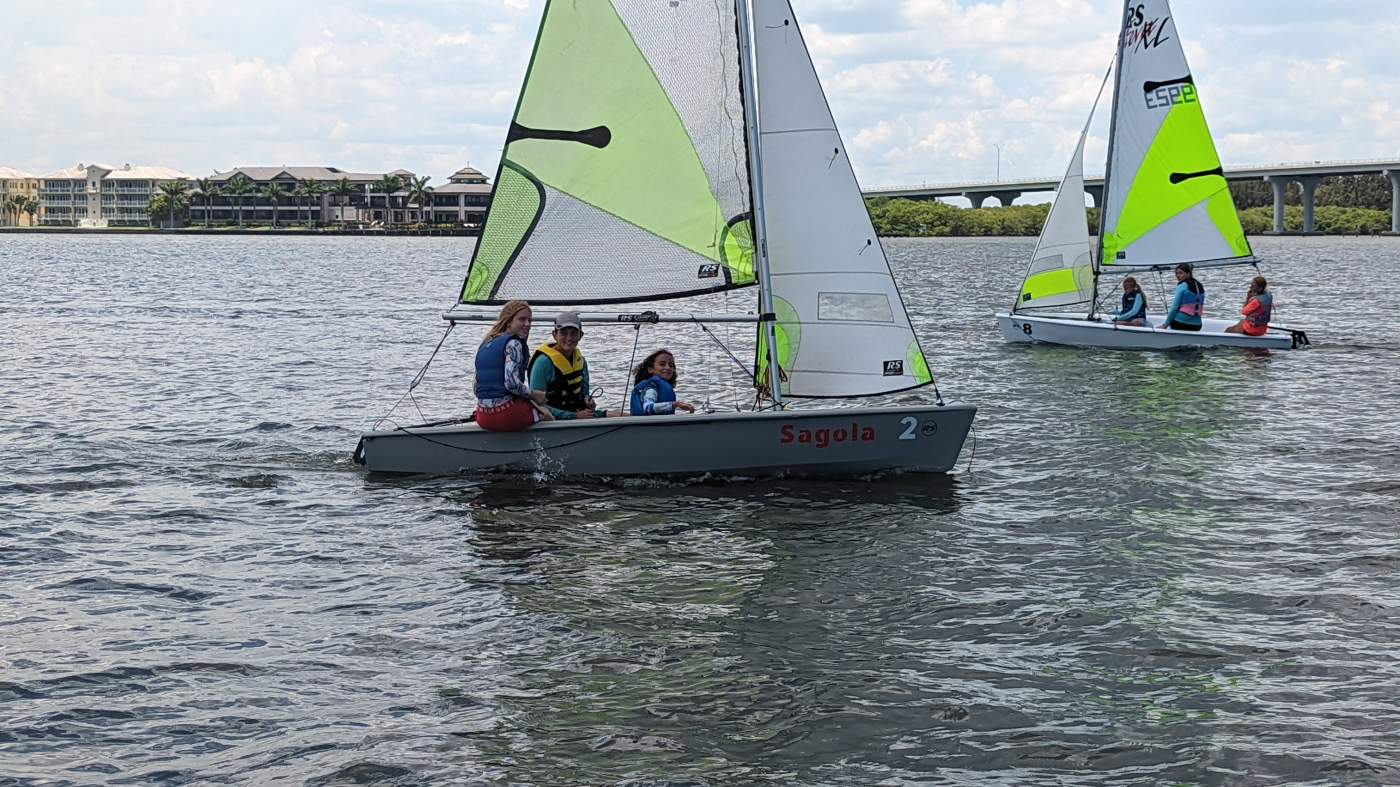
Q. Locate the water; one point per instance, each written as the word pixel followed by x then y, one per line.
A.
pixel 1172 568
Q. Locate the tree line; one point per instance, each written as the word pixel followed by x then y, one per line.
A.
pixel 1357 205
pixel 172 201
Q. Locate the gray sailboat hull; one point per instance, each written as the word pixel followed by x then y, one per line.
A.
pixel 790 442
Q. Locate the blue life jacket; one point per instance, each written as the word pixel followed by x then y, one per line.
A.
pixel 491 367
pixel 1130 310
pixel 664 393
pixel 1260 319
pixel 1190 302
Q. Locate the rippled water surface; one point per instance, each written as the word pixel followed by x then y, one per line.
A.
pixel 1160 568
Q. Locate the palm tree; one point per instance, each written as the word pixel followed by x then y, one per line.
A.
pixel 176 193
pixel 31 206
pixel 420 192
pixel 16 205
pixel 237 186
pixel 274 193
pixel 309 191
pixel 389 184
pixel 343 188
pixel 316 190
pixel 208 189
pixel 158 205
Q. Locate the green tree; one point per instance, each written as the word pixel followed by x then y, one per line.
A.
pixel 388 185
pixel 237 186
pixel 13 204
pixel 31 206
pixel 310 191
pixel 177 199
pixel 421 193
pixel 158 204
pixel 274 194
pixel 343 189
pixel 207 189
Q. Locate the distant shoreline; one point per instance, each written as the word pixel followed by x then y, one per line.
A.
pixel 471 233
pixel 454 232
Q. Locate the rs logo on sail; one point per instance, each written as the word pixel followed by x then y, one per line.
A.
pixel 824 437
pixel 1141 33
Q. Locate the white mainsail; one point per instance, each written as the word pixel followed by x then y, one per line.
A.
pixel 1165 199
pixel 841 324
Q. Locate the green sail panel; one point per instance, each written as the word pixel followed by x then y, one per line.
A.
pixel 597 124
pixel 1180 171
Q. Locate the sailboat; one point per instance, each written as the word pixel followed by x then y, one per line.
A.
pixel 1165 201
pixel 664 150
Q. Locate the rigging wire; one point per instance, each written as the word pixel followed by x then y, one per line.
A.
pixel 627 374
pixel 417 379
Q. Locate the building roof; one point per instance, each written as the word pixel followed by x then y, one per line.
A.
pixel 80 172
pixel 467 173
pixel 129 172
pixel 10 173
pixel 463 188
pixel 330 174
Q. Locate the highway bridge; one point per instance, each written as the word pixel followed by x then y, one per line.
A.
pixel 1306 174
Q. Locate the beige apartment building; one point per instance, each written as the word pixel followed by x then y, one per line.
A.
pixel 95 195
pixel 15 183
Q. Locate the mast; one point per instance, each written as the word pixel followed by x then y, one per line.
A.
pixel 1117 64
pixel 767 309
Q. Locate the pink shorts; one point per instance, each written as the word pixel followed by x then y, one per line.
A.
pixel 512 416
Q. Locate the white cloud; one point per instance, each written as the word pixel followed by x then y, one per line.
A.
pixel 924 89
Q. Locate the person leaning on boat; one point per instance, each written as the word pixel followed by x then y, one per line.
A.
pixel 504 402
pixel 1189 303
pixel 1258 309
pixel 559 371
pixel 1134 309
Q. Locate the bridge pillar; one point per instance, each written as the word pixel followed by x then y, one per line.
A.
pixel 977 197
pixel 1096 192
pixel 1309 184
pixel 1394 175
pixel 1280 184
pixel 1007 197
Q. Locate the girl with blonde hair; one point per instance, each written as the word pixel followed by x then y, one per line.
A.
pixel 1134 310
pixel 504 401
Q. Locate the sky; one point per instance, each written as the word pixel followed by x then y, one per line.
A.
pixel 924 91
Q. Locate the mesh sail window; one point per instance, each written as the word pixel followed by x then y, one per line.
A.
pixel 841 326
pixel 624 175
pixel 1166 199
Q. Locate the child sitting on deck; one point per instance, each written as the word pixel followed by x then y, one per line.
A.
pixel 654 389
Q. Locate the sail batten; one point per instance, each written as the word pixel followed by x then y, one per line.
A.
pixel 1166 199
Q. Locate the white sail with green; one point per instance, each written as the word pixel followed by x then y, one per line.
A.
pixel 624 175
pixel 1166 200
